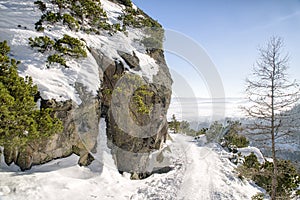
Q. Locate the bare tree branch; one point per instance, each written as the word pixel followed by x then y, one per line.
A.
pixel 271 96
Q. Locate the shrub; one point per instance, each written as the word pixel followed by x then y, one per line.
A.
pixel 233 137
pixel 42 43
pixel 64 47
pixel 174 124
pixel 258 196
pixel 61 3
pixel 21 121
pixel 237 140
pixel 251 161
pixel 185 127
pixel 126 2
pixel 138 19
pixel 117 27
pixel 55 58
pixel 103 25
pixel 39 26
pixel 92 9
pixel 214 132
pixel 107 91
pixel 4 48
pixel 70 46
pixel 129 20
pixel 51 17
pixel 70 21
pixel 288 178
pixel 141 98
pixel 84 14
pixel 148 22
pixel 297 194
pixel 202 131
pixel 77 11
pixel 41 5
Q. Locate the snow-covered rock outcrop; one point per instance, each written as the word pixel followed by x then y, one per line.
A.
pixel 123 78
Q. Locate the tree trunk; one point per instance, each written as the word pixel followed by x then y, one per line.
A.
pixel 274 175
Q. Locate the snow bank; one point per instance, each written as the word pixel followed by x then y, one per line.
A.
pixel 248 150
pixel 200 172
pixel 160 159
pixel 64 179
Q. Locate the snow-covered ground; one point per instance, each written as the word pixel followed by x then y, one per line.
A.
pixel 17 19
pixel 199 172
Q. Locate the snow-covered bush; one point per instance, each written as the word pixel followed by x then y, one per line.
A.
pixel 70 46
pixel 288 178
pixel 136 18
pixel 127 2
pixel 41 5
pixel 55 58
pixel 21 120
pixel 233 137
pixel 65 47
pixel 251 161
pixel 70 21
pixel 258 196
pixel 42 43
pixel 86 15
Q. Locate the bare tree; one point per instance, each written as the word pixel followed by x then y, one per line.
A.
pixel 271 96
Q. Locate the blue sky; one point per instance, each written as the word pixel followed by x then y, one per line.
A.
pixel 230 31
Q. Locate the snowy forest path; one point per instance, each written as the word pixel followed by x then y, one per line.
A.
pixel 199 176
pixel 192 165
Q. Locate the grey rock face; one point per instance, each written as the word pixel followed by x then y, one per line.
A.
pixel 131 60
pixel 133 134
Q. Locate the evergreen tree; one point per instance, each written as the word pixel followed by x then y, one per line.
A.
pixel 20 119
pixel 185 127
pixel 233 136
pixel 174 124
pixel 213 134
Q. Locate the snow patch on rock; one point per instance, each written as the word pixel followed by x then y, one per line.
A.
pixel 248 150
pixel 113 11
pixel 57 82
